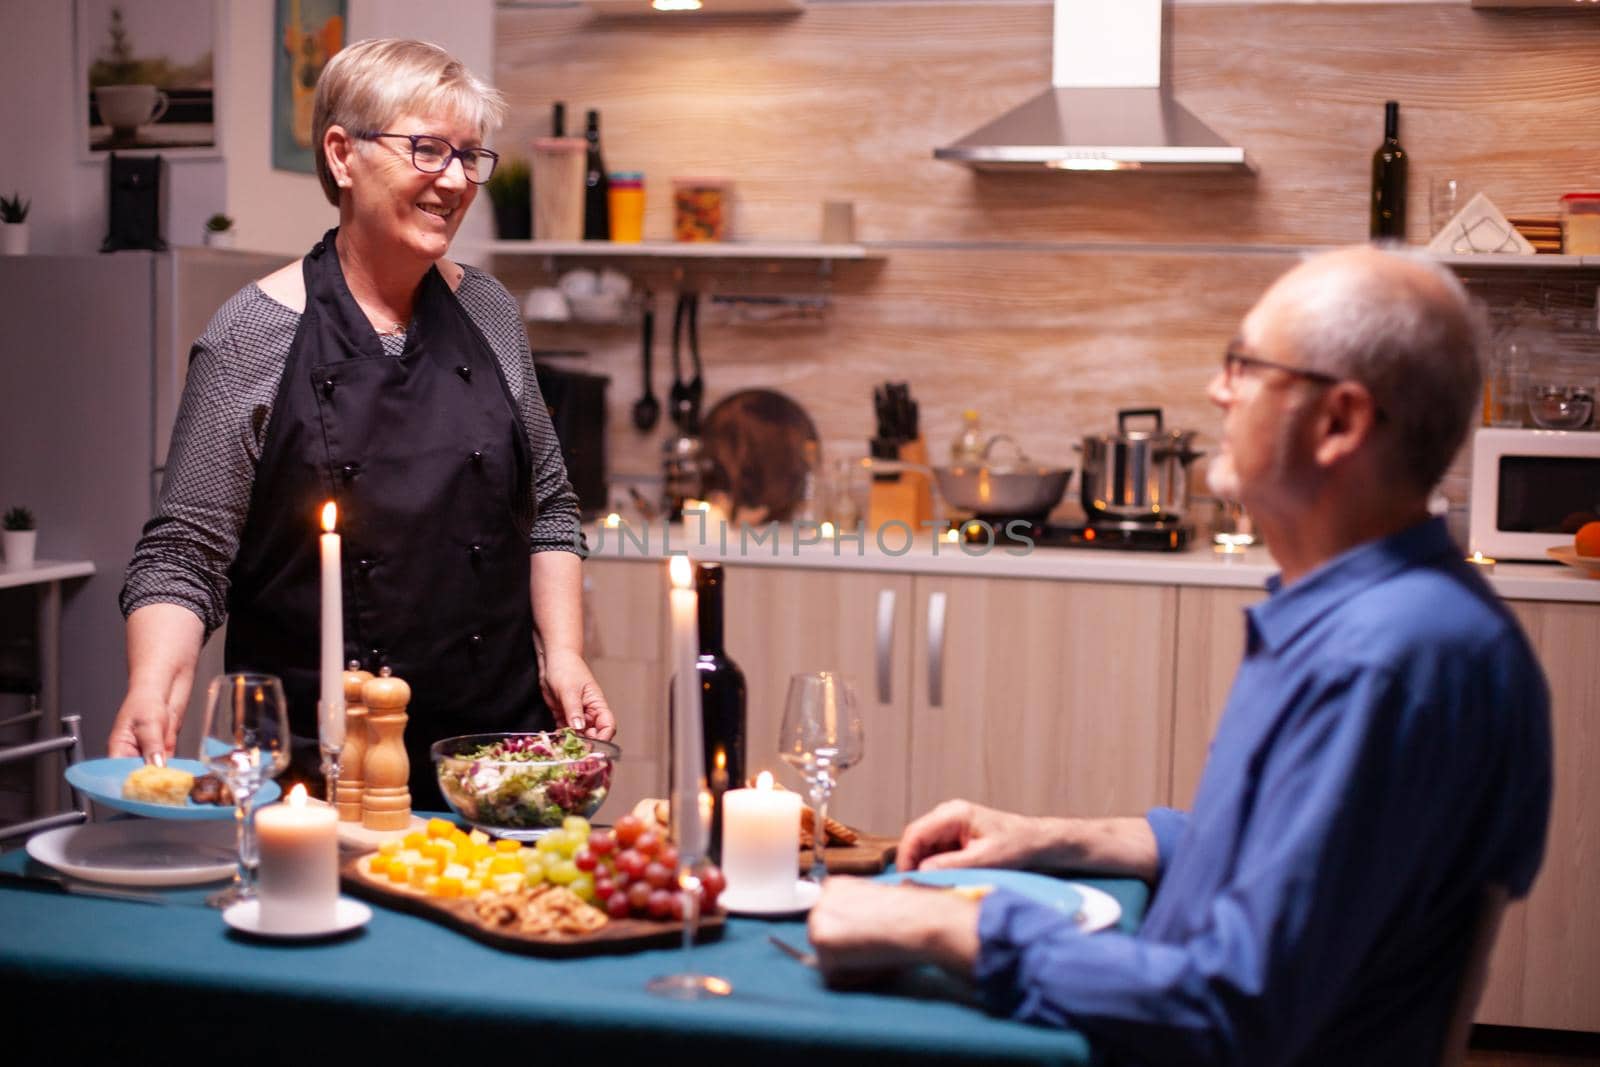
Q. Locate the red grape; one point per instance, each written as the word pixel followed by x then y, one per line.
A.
pixel 602 842
pixel 618 907
pixel 585 860
pixel 639 896
pixel 648 842
pixel 658 875
pixel 712 880
pixel 632 862
pixel 628 829
pixel 660 903
pixel 668 856
pixel 677 905
pixel 604 887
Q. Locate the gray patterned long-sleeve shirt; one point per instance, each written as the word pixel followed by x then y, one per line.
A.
pixel 189 545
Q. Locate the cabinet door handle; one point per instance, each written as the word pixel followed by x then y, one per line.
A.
pixel 935 649
pixel 885 646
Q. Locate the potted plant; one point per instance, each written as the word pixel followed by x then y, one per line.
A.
pixel 18 537
pixel 219 231
pixel 14 225
pixel 511 190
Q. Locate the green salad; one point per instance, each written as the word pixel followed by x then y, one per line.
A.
pixel 527 780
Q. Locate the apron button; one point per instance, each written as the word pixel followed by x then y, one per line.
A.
pixel 476 641
pixel 477 458
pixel 465 372
pixel 327 386
pixel 364 565
pixel 377 657
pixel 350 470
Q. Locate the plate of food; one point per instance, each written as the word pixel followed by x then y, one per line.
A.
pixel 1589 565
pixel 183 789
pixel 1089 908
pixel 139 852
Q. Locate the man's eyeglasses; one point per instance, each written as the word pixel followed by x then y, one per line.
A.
pixel 1234 363
pixel 433 154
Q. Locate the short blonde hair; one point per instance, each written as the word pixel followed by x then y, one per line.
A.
pixel 371 82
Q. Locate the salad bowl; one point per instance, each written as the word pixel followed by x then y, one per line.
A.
pixel 519 785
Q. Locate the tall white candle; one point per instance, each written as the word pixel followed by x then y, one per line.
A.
pixel 299 873
pixel 330 710
pixel 688 757
pixel 761 843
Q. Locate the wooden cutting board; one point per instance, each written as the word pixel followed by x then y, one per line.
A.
pixel 618 935
pixel 870 854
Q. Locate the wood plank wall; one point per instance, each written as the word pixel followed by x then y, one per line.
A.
pixel 1044 301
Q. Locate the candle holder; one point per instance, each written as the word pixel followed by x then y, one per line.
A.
pixel 330 740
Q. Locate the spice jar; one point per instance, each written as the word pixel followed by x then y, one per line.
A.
pixel 1580 224
pixel 700 209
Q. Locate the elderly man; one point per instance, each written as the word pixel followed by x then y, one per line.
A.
pixel 1382 768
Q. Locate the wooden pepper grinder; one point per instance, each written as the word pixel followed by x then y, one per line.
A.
pixel 386 800
pixel 352 772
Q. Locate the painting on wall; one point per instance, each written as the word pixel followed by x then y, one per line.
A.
pixel 306 34
pixel 145 75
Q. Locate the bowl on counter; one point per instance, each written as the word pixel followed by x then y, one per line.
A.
pixel 1560 407
pixel 519 785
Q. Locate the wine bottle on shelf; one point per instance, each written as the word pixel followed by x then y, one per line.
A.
pixel 722 702
pixel 1389 179
pixel 558 119
pixel 597 187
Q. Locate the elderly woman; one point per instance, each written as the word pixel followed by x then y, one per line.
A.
pixel 379 374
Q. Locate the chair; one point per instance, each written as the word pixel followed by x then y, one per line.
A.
pixel 1473 977
pixel 68 742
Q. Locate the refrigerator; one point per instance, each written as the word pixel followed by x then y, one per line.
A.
pixel 93 354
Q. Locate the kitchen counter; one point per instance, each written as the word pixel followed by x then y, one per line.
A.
pixel 897 552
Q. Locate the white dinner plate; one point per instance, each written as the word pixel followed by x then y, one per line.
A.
pixel 101 781
pixel 1091 909
pixel 805 895
pixel 245 917
pixel 140 852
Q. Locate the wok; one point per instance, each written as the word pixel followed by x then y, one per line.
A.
pixel 1014 487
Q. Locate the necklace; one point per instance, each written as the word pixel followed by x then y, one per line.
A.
pixel 394 329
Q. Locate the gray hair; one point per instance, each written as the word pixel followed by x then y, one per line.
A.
pixel 371 82
pixel 1405 328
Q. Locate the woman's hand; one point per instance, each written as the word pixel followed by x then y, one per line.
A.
pixel 574 697
pixel 144 727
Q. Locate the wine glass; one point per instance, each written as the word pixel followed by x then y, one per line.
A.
pixel 821 736
pixel 244 738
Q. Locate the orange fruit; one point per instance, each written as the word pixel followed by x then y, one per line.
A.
pixel 1588 540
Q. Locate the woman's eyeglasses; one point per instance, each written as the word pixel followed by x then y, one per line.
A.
pixel 433 154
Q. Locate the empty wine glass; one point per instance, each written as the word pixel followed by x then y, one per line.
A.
pixel 821 736
pixel 244 738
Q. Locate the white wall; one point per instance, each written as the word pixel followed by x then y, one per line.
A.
pixel 280 211
pixel 276 210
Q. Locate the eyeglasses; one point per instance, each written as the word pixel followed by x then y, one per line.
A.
pixel 1234 362
pixel 431 155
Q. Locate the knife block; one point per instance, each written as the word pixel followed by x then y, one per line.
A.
pixel 908 499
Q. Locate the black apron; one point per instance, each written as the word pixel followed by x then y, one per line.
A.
pixel 427 460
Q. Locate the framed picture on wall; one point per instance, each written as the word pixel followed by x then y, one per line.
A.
pixel 145 76
pixel 306 34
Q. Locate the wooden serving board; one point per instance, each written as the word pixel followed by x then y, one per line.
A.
pixel 618 935
pixel 870 854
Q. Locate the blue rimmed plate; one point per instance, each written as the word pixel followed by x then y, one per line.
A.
pixel 101 781
pixel 1089 908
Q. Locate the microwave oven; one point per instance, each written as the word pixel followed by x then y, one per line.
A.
pixel 1531 490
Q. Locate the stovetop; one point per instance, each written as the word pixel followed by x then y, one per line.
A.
pixel 1138 536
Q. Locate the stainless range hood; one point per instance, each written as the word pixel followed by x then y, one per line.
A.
pixel 1106 109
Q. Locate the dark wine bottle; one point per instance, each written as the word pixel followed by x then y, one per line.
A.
pixel 558 119
pixel 722 702
pixel 1389 179
pixel 597 187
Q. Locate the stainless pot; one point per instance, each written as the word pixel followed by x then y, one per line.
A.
pixel 1139 475
pixel 1005 488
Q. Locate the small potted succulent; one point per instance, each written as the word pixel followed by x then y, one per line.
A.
pixel 18 537
pixel 219 231
pixel 511 190
pixel 14 225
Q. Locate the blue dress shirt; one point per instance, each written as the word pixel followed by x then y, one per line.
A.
pixel 1384 755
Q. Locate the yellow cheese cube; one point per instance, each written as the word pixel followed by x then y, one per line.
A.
pixel 420 873
pixel 430 884
pixel 446 886
pixel 456 871
pixel 507 883
pixel 503 864
pixel 505 844
pixel 399 873
pixel 471 887
pixel 414 839
pixel 378 865
pixel 390 847
pixel 440 827
pixel 478 837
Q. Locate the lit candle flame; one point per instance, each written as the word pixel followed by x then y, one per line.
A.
pixel 681 571
pixel 764 780
pixel 827 529
pixel 297 795
pixel 722 759
pixel 330 516
pixel 613 520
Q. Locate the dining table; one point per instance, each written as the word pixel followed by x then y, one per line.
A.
pixel 135 977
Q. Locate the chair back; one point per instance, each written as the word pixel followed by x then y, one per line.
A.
pixel 68 742
pixel 1491 909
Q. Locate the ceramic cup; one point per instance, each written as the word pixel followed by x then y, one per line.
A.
pixel 127 107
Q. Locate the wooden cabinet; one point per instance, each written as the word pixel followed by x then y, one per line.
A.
pixel 1040 696
pixel 625 607
pixel 1210 647
pixel 781 621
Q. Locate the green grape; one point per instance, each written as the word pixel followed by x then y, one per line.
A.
pixel 576 825
pixel 583 885
pixel 554 841
pixel 565 872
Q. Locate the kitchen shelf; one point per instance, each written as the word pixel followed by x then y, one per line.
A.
pixel 742 250
pixel 1512 261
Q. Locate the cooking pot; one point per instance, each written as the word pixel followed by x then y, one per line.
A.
pixel 1012 487
pixel 1138 475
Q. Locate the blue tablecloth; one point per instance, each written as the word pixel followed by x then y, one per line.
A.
pixel 176 977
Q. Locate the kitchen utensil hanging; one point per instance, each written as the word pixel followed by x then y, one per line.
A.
pixel 681 401
pixel 647 410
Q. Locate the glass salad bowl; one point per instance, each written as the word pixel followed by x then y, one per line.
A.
pixel 519 785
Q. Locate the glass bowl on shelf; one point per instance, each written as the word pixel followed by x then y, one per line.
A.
pixel 519 785
pixel 1560 407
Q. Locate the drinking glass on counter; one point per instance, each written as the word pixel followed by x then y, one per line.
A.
pixel 244 739
pixel 821 737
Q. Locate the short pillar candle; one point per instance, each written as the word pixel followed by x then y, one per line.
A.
pixel 761 843
pixel 299 873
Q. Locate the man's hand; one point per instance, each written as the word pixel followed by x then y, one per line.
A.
pixel 574 697
pixel 959 833
pixel 863 931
